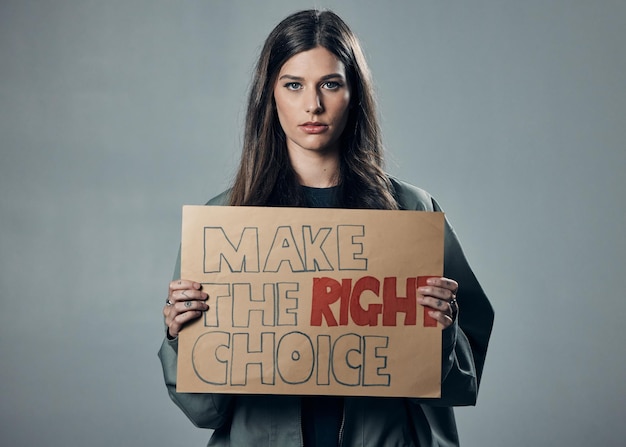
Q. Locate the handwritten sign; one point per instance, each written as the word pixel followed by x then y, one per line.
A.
pixel 311 301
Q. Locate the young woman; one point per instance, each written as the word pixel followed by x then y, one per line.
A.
pixel 312 140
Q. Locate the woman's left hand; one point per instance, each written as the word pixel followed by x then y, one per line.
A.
pixel 440 295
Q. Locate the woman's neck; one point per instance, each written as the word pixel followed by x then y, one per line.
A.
pixel 315 169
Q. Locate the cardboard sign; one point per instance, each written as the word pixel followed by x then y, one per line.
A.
pixel 311 301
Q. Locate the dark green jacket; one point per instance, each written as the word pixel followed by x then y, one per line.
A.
pixel 274 421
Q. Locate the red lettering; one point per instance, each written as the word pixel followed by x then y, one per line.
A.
pixel 346 285
pixel 394 304
pixel 361 316
pixel 327 291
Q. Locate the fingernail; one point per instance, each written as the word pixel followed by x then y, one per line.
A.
pixel 431 281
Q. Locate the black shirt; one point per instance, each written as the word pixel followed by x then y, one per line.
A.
pixel 321 415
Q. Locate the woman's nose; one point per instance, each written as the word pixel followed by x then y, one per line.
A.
pixel 314 102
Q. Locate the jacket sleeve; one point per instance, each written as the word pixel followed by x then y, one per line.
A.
pixel 465 342
pixel 203 409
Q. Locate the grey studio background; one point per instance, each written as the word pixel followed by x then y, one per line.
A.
pixel 113 114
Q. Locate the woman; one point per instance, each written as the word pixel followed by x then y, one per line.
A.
pixel 312 139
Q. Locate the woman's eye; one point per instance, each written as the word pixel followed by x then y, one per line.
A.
pixel 293 85
pixel 331 85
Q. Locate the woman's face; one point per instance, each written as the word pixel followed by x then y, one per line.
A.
pixel 312 100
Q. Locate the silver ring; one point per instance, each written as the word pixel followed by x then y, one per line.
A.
pixel 187 304
pixel 168 302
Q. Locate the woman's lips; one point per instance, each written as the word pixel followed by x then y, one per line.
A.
pixel 314 128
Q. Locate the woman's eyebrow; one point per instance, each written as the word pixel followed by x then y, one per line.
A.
pixel 332 76
pixel 323 78
pixel 291 77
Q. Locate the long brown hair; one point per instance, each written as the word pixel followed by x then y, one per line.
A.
pixel 265 175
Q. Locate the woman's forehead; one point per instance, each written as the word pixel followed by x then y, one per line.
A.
pixel 317 61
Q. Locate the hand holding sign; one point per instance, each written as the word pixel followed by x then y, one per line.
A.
pixel 440 295
pixel 185 302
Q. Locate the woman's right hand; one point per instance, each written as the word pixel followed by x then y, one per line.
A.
pixel 185 302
